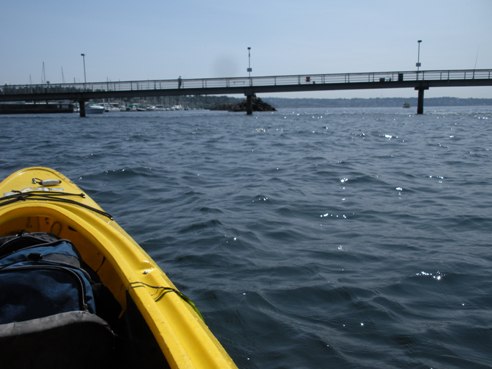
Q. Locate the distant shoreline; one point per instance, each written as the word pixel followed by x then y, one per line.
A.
pixel 216 102
pixel 280 102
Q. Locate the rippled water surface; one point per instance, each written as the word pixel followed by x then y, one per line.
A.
pixel 337 238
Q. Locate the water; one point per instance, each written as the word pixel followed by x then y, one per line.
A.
pixel 309 238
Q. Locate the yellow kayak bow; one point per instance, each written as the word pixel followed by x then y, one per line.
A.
pixel 40 199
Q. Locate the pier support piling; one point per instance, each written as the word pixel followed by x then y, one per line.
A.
pixel 420 100
pixel 82 108
pixel 249 104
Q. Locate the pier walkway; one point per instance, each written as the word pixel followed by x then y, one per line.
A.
pixel 249 86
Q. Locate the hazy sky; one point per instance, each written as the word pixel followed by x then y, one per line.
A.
pixel 161 39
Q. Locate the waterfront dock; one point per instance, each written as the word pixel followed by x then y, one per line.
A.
pixel 249 86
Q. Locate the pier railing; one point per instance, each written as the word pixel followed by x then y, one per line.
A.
pixel 241 83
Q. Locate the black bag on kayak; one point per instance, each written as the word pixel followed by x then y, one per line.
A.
pixel 40 276
pixel 47 307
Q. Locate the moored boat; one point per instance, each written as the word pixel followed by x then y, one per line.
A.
pixel 94 109
pixel 130 314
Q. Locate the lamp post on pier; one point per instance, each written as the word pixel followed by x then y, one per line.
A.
pixel 418 58
pixel 82 101
pixel 83 61
pixel 249 70
pixel 249 95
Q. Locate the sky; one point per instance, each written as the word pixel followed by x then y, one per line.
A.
pixel 159 39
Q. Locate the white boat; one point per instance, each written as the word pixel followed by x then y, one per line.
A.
pixel 94 109
pixel 110 107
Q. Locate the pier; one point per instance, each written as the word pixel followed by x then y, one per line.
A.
pixel 249 86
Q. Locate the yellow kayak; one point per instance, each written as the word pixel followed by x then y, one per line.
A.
pixel 153 324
